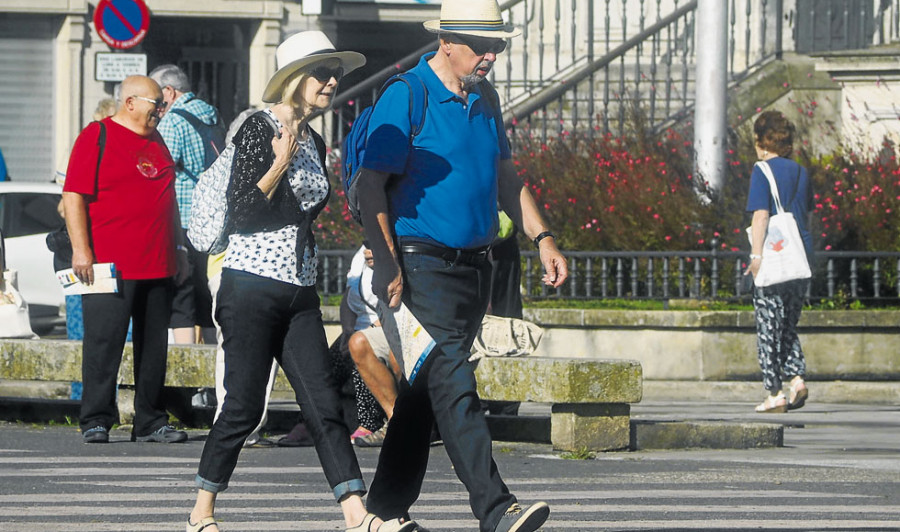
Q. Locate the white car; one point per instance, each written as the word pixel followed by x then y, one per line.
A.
pixel 28 211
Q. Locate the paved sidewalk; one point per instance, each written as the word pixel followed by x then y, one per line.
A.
pixel 871 429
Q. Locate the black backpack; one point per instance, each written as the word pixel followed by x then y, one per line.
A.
pixel 213 136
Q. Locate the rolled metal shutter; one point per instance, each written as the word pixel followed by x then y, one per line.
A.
pixel 26 96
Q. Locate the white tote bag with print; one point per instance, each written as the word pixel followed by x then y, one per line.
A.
pixel 783 256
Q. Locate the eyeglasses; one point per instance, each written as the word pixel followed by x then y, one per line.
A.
pixel 483 45
pixel 159 104
pixel 325 73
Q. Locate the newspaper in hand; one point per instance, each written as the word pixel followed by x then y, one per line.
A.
pixel 406 337
pixel 104 281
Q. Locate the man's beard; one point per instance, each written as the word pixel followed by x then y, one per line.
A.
pixel 470 80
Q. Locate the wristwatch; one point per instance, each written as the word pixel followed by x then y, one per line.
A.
pixel 754 256
pixel 545 234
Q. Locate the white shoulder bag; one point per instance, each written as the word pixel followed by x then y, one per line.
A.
pixel 783 256
pixel 14 320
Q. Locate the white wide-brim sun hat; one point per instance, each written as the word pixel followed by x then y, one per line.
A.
pixel 303 49
pixel 479 18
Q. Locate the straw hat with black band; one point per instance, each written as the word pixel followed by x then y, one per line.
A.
pixel 301 50
pixel 479 18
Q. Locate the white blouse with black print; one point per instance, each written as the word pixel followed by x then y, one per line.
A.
pixel 271 254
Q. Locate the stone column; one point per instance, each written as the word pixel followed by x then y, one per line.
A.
pixel 262 58
pixel 69 89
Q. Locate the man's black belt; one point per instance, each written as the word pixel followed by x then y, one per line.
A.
pixel 473 256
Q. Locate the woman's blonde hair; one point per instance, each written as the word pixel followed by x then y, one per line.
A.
pixel 289 93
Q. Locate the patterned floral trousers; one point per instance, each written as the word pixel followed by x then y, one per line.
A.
pixel 778 346
pixel 368 412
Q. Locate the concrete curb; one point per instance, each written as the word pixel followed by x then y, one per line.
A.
pixel 837 392
pixel 704 435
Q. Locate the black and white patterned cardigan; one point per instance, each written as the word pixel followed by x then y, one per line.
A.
pixel 249 210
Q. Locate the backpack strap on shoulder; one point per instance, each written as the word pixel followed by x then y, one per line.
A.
pixel 320 148
pixel 268 120
pixel 418 99
pixel 101 147
pixel 192 120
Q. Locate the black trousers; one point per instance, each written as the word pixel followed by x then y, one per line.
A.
pixel 192 304
pixel 264 319
pixel 449 299
pixel 148 303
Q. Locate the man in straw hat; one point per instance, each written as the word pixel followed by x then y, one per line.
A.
pixel 430 232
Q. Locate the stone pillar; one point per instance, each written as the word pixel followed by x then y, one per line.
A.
pixel 262 58
pixel 69 89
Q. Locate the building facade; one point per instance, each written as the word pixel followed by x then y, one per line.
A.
pixel 48 53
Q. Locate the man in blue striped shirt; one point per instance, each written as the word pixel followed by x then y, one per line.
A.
pixel 188 127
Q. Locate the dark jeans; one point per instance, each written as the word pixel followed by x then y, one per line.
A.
pixel 106 317
pixel 263 319
pixel 449 300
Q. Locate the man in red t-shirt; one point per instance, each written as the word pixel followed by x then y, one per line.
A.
pixel 119 200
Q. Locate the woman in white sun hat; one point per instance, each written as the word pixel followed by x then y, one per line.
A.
pixel 267 306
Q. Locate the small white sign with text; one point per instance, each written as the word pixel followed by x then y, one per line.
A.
pixel 116 67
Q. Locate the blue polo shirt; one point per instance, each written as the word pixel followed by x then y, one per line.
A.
pixel 445 189
pixel 793 190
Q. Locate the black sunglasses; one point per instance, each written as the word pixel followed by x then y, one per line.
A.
pixel 483 45
pixel 325 73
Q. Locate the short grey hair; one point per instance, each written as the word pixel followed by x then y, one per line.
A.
pixel 171 76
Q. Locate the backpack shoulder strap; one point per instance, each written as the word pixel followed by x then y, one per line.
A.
pixel 268 119
pixel 418 99
pixel 190 118
pixel 320 147
pixel 489 93
pixel 101 147
pixel 418 102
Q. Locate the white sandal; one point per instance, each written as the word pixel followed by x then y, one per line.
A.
pixel 799 393
pixel 365 525
pixel 203 524
pixel 774 404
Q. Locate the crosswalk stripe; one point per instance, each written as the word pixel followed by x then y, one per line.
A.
pixel 644 508
pixel 236 495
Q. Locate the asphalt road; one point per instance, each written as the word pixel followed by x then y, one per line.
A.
pixel 839 470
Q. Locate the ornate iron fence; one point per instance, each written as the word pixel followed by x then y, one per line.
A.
pixel 871 277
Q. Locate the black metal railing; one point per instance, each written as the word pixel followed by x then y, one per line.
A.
pixel 664 275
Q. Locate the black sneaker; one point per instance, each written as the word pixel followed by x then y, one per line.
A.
pixel 97 434
pixel 518 519
pixel 164 434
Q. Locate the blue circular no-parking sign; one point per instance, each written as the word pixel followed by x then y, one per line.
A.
pixel 122 23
